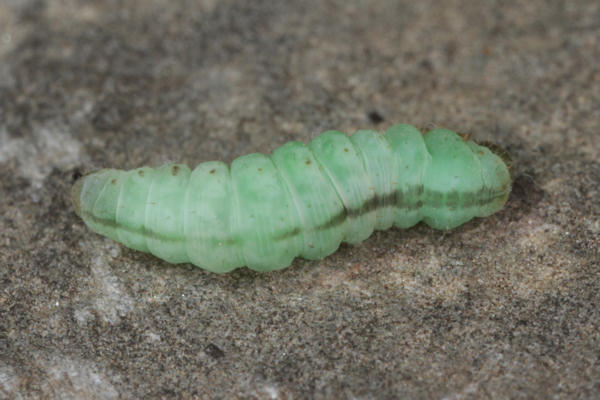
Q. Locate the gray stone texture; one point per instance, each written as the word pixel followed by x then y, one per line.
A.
pixel 503 307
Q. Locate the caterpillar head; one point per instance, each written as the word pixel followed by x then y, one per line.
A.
pixel 503 154
pixel 83 188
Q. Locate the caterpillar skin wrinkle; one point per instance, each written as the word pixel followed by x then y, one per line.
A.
pixel 302 200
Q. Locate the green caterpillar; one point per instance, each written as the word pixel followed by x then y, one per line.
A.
pixel 302 200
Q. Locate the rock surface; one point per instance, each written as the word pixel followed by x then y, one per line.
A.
pixel 504 307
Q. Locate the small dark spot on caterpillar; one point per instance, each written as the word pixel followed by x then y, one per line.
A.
pixel 465 136
pixel 311 246
pixel 212 171
pixel 346 149
pixel 113 182
pixel 140 172
pixel 375 117
pixel 260 170
pixel 175 170
pixel 307 162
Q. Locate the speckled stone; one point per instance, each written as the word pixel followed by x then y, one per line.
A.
pixel 503 307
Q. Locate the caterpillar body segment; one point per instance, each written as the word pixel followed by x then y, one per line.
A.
pixel 302 200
